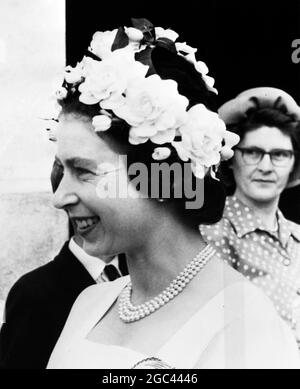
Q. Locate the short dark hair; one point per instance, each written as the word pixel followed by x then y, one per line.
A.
pixel 256 118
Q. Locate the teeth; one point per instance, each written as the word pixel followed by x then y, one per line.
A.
pixel 81 224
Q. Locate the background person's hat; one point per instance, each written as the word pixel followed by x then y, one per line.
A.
pixel 235 110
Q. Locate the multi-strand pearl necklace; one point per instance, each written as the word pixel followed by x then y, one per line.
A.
pixel 129 312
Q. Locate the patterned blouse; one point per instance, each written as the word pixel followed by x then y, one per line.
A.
pixel 270 259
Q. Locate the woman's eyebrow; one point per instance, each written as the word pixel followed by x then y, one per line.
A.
pixel 273 149
pixel 89 163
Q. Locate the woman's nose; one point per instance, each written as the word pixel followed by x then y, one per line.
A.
pixel 64 195
pixel 266 163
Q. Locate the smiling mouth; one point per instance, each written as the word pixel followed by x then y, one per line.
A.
pixel 85 224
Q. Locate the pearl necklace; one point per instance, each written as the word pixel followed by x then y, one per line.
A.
pixel 130 313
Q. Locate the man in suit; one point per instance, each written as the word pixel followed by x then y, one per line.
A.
pixel 38 304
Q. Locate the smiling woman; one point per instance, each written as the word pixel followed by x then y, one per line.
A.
pixel 253 236
pixel 140 94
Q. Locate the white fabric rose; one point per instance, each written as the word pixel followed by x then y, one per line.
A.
pixel 100 83
pixel 210 81
pixel 184 48
pixel 201 67
pixel 161 153
pixel 135 37
pixel 231 139
pixel 106 81
pixel 134 34
pixel 168 33
pixel 154 109
pixel 101 122
pixel 102 42
pixel 202 137
pixel 61 93
pixel 73 75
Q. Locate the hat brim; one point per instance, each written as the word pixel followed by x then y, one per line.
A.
pixel 235 110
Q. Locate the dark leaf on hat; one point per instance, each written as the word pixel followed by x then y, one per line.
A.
pixel 144 57
pixel 90 54
pixel 121 40
pixel 147 29
pixel 65 85
pixel 142 24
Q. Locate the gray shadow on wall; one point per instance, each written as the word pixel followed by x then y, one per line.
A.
pixel 32 232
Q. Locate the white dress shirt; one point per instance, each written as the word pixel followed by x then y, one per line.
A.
pixel 93 265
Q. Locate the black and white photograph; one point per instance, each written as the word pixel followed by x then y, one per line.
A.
pixel 149 187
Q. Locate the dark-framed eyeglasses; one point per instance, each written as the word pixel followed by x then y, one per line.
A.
pixel 253 156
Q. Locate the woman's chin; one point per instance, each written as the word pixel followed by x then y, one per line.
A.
pixel 265 196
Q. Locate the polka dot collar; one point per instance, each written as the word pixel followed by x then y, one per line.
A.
pixel 244 220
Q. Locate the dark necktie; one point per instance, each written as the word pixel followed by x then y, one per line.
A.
pixel 123 264
pixel 111 272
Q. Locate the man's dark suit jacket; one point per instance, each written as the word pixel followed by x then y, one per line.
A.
pixel 37 308
pixel 289 203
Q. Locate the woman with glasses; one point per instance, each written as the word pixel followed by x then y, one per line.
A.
pixel 254 237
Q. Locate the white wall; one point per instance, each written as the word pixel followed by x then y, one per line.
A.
pixel 32 55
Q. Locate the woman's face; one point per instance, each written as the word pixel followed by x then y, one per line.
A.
pixel 262 182
pixel 107 224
